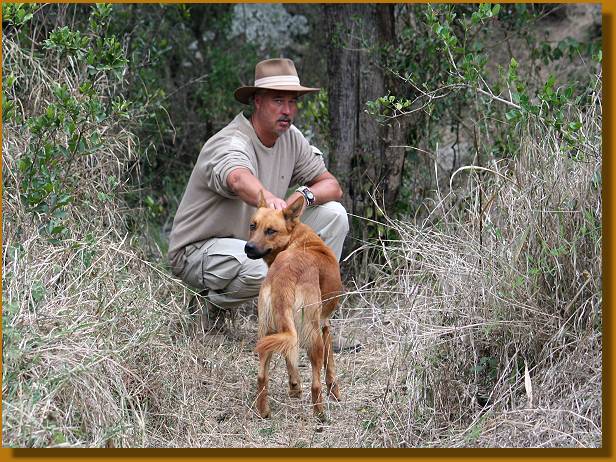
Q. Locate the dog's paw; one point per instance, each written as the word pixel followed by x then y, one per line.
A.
pixel 321 416
pixel 263 407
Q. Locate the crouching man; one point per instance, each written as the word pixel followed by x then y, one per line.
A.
pixel 260 151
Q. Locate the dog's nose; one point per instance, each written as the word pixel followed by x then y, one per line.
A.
pixel 250 249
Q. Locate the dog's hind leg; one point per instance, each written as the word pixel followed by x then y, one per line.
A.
pixel 262 385
pixel 295 388
pixel 330 365
pixel 315 353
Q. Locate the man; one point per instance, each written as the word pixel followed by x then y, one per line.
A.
pixel 262 152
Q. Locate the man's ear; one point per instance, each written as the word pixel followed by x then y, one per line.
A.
pixel 293 211
pixel 261 202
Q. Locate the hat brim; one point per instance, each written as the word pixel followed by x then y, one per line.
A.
pixel 243 94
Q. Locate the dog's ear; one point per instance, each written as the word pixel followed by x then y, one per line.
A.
pixel 293 211
pixel 261 202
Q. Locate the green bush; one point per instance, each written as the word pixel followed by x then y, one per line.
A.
pixel 455 78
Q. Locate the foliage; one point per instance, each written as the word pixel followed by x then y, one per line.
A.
pixel 494 298
pixel 123 73
pixel 452 74
pixel 313 119
pixel 67 127
pixel 18 14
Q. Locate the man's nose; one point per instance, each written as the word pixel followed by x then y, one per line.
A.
pixel 286 108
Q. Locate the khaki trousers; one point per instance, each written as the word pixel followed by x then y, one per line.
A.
pixel 220 265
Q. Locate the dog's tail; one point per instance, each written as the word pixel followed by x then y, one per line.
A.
pixel 276 302
pixel 282 342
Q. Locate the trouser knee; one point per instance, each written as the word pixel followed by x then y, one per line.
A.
pixel 330 221
pixel 327 219
pixel 339 217
pixel 251 277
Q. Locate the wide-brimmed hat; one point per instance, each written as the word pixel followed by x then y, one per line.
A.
pixel 273 74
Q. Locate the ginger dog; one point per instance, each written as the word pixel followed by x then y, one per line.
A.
pixel 297 297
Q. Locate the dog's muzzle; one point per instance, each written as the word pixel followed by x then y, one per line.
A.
pixel 253 252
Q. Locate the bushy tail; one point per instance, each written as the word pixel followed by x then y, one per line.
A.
pixel 282 342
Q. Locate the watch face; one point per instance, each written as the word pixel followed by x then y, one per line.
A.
pixel 307 193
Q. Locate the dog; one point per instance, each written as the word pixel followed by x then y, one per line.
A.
pixel 297 297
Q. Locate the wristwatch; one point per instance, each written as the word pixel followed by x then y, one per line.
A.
pixel 307 193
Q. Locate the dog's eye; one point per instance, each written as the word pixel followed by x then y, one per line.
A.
pixel 253 226
pixel 270 232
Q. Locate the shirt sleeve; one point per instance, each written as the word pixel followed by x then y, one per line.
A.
pixel 223 160
pixel 309 165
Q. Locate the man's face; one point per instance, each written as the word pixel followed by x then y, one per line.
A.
pixel 276 110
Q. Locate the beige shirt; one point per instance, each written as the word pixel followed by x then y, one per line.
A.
pixel 210 209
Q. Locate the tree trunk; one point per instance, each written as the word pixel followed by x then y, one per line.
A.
pixel 361 154
pixel 342 69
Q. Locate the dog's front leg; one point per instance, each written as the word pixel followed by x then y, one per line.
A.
pixel 262 385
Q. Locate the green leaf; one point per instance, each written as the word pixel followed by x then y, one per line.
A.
pixel 82 147
pixel 113 181
pixel 10 81
pixel 86 88
pixel 38 291
pixel 56 228
pixel 569 92
pixel 575 125
pixel 512 115
pixel 64 199
pixel 58 437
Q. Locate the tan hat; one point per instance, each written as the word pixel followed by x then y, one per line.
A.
pixel 273 74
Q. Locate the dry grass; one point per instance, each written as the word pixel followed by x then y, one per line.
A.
pixel 489 311
pixel 469 308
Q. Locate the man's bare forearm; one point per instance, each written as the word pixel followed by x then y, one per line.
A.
pixel 247 186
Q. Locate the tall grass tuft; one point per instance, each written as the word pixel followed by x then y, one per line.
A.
pixel 83 310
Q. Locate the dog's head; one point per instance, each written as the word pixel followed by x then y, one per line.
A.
pixel 270 229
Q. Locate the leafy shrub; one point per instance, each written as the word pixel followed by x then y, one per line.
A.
pixel 454 77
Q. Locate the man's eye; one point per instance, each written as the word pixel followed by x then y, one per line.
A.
pixel 253 226
pixel 270 232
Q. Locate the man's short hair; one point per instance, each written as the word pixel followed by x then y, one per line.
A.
pixel 251 102
pixel 251 98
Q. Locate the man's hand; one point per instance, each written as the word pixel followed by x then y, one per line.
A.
pixel 274 202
